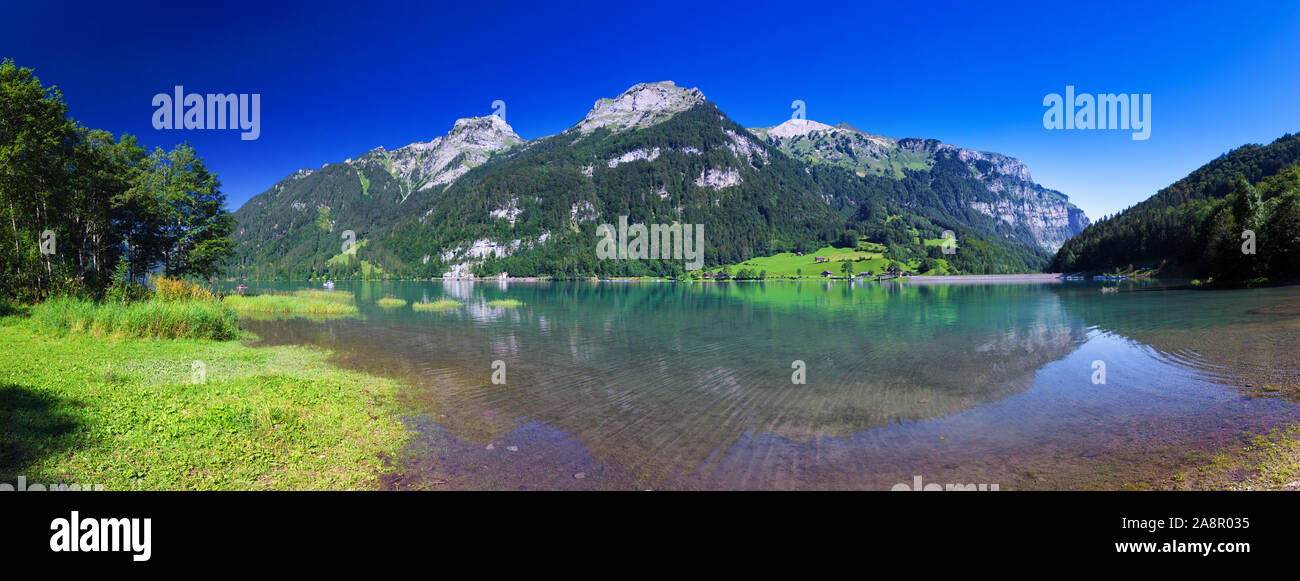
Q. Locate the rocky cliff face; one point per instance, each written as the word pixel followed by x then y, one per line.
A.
pixel 1010 194
pixel 435 164
pixel 299 220
pixel 1053 221
pixel 642 105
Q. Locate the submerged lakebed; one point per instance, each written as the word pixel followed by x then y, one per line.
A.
pixel 689 386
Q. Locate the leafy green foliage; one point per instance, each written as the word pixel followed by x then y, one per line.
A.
pixel 74 202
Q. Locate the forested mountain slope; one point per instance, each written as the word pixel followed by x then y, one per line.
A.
pixel 482 201
pixel 1195 226
pixel 992 184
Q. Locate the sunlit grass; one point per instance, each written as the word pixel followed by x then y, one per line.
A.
pixel 505 303
pixel 170 289
pixel 289 305
pixel 344 297
pixel 130 414
pixel 391 303
pixel 439 305
pixel 154 319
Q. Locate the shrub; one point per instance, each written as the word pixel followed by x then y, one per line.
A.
pixel 171 290
pixel 124 291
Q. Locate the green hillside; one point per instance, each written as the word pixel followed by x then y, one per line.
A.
pixel 1195 226
pixel 868 257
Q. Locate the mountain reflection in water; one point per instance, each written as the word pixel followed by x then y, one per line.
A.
pixel 661 385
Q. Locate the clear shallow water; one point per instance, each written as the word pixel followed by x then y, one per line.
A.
pixel 660 385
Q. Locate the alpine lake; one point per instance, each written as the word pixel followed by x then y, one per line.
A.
pixel 815 384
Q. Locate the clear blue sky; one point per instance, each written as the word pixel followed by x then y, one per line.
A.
pixel 339 79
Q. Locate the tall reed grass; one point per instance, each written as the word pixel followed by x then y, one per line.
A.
pixel 156 319
pixel 289 305
pixel 438 305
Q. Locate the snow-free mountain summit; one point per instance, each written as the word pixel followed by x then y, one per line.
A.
pixel 481 200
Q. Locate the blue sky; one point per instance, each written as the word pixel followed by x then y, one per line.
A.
pixel 339 79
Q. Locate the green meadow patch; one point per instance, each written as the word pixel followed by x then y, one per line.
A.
pixel 270 304
pixel 439 305
pixel 391 303
pixel 505 303
pixel 344 259
pixel 867 257
pixel 188 414
pixel 343 297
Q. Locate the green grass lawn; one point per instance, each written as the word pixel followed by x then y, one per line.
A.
pixel 789 263
pixel 187 414
pixel 868 256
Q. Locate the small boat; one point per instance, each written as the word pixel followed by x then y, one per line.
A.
pixel 241 288
pixel 329 285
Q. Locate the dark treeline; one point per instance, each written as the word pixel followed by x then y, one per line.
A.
pixel 1236 218
pixel 80 209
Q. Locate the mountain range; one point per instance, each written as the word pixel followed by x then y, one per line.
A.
pixel 481 200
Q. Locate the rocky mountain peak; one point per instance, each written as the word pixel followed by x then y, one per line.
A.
pixel 428 164
pixel 800 130
pixel 642 105
pixel 795 127
pixel 488 131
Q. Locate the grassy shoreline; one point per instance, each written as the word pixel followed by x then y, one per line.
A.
pixel 188 414
pixel 1269 461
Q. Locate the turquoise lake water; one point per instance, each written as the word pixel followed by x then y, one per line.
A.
pixel 690 386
